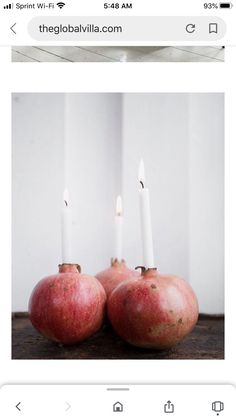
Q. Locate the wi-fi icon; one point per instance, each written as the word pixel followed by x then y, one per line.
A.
pixel 61 4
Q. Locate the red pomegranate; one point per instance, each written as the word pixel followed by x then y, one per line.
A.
pixel 67 307
pixel 153 311
pixel 118 272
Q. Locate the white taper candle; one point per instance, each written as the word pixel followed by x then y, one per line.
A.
pixel 146 225
pixel 118 251
pixel 66 221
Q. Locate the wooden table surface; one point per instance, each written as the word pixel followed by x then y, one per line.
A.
pixel 205 342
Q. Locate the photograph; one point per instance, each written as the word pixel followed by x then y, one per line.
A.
pixel 177 53
pixel 118 226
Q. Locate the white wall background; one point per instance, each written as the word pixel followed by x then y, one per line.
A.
pixel 92 143
pixel 93 174
pixel 155 128
pixel 37 177
pixel 206 200
pixel 181 139
pixel 92 160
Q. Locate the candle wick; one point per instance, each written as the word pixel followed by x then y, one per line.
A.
pixel 66 203
pixel 142 184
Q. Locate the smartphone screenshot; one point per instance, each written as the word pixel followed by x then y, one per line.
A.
pixel 117 209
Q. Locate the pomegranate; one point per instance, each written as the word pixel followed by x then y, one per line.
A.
pixel 154 310
pixel 67 307
pixel 118 272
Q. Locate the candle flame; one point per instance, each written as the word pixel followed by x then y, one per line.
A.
pixel 141 173
pixel 119 206
pixel 66 197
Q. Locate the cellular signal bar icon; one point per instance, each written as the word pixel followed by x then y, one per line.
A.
pixel 8 6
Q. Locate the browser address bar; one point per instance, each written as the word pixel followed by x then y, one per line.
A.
pixel 127 28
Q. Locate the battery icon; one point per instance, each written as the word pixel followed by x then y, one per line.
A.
pixel 226 5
